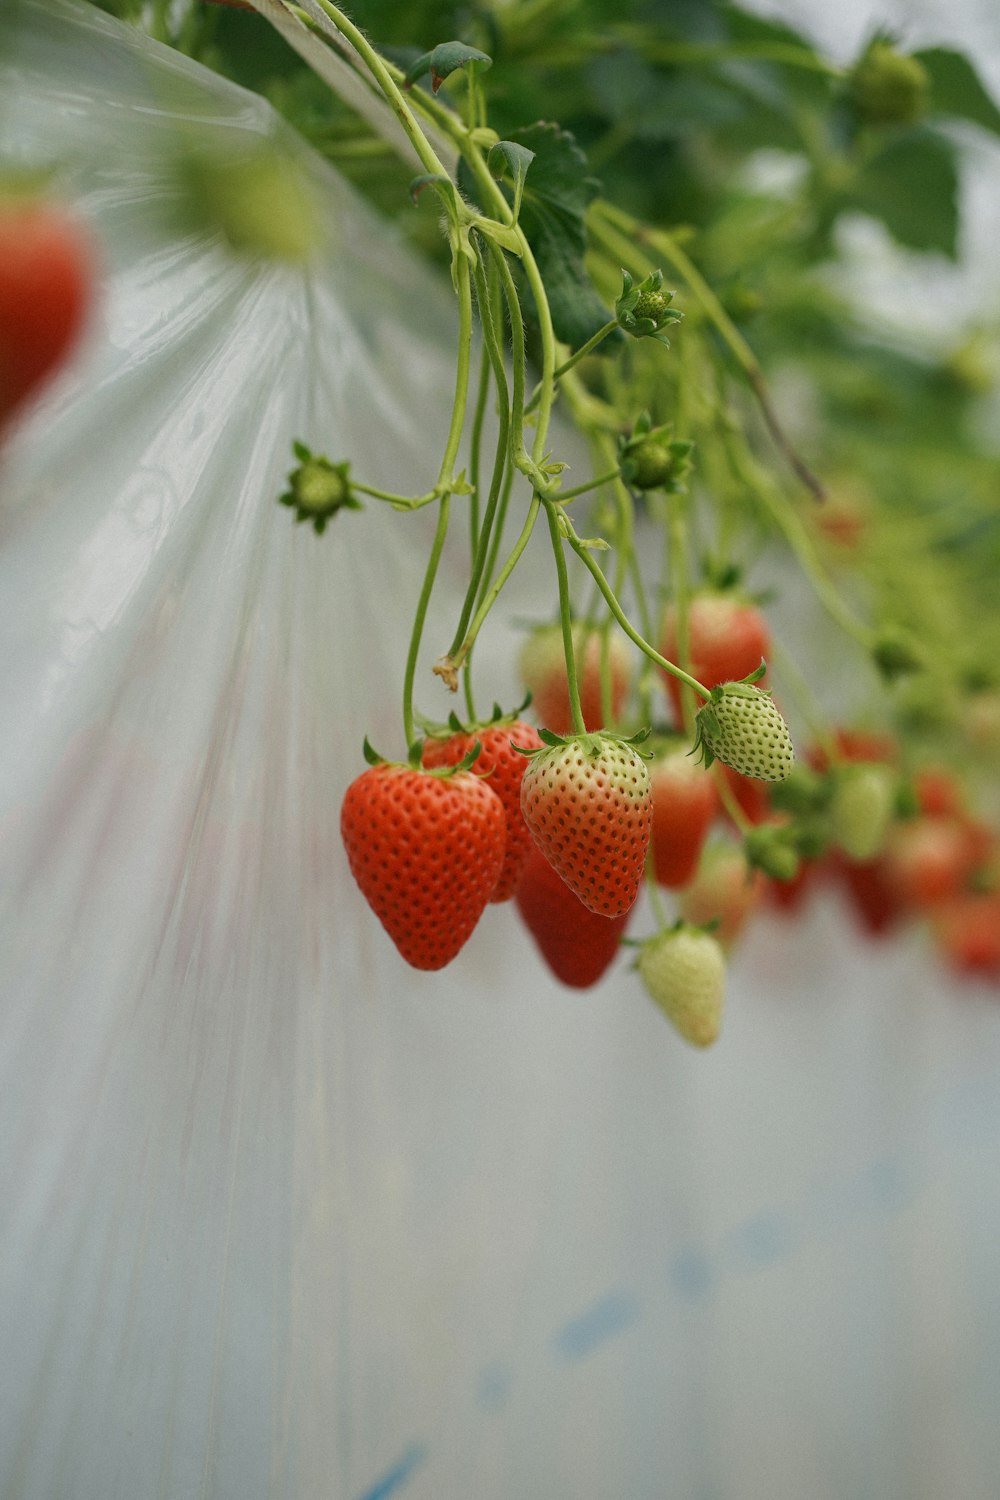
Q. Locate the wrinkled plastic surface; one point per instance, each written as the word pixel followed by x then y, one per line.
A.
pixel 280 1216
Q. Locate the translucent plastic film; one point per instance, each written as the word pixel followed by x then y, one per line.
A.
pixel 282 1217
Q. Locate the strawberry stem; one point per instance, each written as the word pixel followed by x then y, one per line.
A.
pixel 668 666
pixel 445 481
pixel 565 618
pixel 680 578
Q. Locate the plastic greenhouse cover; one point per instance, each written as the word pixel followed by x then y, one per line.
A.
pixel 282 1217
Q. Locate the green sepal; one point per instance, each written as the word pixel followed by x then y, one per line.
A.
pixel 803 792
pixel 371 754
pixel 514 158
pixel 895 655
pixel 443 60
pixel 436 730
pixel 590 741
pixel 771 848
pixel 443 186
pixel 643 309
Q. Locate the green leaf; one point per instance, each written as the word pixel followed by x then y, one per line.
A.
pixel 912 186
pixel 443 61
pixel 956 88
pixel 553 208
pixel 508 156
pixel 654 106
pixel 443 186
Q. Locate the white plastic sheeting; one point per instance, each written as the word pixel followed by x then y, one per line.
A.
pixel 282 1217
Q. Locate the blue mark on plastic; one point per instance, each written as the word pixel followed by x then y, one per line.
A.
pixel 494 1386
pixel 761 1240
pixel 606 1318
pixel 397 1476
pixel 691 1273
pixel 889 1184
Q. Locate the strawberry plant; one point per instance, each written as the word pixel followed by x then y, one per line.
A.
pixel 621 293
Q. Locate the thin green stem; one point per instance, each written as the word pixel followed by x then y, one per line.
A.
pixel 490 597
pixel 625 233
pixel 463 362
pixel 496 366
pixel 790 525
pixel 437 546
pixel 728 799
pixel 680 577
pixel 583 489
pixel 581 353
pixel 655 895
pixel 383 77
pixel 445 482
pixel 565 618
pixel 401 502
pixel 475 443
pixel 668 666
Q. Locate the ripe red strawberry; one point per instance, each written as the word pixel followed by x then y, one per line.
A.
pixel 753 797
pixel 725 889
pixel 586 800
pixel 967 931
pixel 930 859
pixel 578 944
pixel 938 792
pixel 426 850
pixel 856 745
pixel 684 803
pixel 873 897
pixel 727 638
pixel 684 972
pixel 542 667
pixel 504 768
pixel 788 896
pixel 45 287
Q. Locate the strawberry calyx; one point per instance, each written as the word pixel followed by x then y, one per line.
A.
pixel 591 743
pixel 773 848
pixel 436 730
pixel 652 458
pixel 643 308
pixel 707 726
pixel 413 760
pixel 318 488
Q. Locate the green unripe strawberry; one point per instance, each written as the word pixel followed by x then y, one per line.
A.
pixel 649 465
pixel 684 972
pixel 861 809
pixel 644 309
pixel 652 458
pixel 741 726
pixel 887 87
pixel 317 489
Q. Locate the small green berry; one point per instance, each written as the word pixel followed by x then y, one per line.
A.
pixel 741 726
pixel 889 88
pixel 318 489
pixel 644 309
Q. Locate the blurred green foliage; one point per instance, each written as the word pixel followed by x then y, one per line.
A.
pixel 754 150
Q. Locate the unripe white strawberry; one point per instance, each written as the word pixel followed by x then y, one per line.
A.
pixel 861 809
pixel 741 726
pixel 684 971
